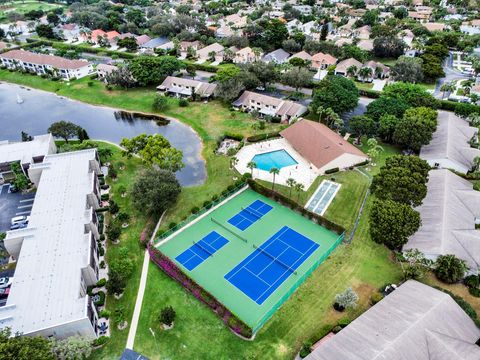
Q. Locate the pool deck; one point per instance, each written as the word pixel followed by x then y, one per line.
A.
pixel 303 172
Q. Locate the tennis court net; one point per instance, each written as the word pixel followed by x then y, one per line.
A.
pixel 274 258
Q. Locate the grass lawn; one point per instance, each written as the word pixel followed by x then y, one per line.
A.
pixel 427 87
pixel 23 7
pixel 363 85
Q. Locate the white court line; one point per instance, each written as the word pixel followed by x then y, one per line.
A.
pixel 22 213
pixel 27 200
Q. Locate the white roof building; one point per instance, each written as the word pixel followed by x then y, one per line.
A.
pixel 57 255
pixel 448 214
pixel 27 152
pixel 414 322
pixel 450 147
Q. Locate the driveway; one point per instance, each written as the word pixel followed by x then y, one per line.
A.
pixel 13 204
pixel 451 74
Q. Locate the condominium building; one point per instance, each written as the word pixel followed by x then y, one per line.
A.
pixel 41 64
pixel 57 254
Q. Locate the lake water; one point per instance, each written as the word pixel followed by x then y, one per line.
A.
pixel 40 109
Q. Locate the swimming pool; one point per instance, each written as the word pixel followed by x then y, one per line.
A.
pixel 324 195
pixel 273 159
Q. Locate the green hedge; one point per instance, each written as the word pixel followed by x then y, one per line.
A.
pixel 330 225
pixel 262 137
pixel 369 93
pixel 331 171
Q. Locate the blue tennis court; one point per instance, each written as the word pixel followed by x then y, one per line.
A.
pixel 201 250
pixel 268 266
pixel 249 215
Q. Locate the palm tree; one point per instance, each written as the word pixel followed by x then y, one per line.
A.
pixel 275 172
pixel 474 98
pixel 233 162
pixel 467 86
pixel 329 117
pixel 373 148
pixel 291 183
pixel 299 188
pixel 351 71
pixel 252 165
pixel 365 73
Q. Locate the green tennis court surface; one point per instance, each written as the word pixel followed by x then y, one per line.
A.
pixel 250 253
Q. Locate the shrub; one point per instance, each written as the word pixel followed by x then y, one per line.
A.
pixel 474 292
pixel 336 329
pixel 167 315
pixel 104 314
pixel 102 340
pixel 450 269
pixel 343 322
pixel 113 207
pixel 214 197
pixel 331 171
pixel 195 210
pixel 306 349
pixel 345 300
pixel 102 265
pixel 183 103
pixel 172 225
pixel 375 298
pixel 100 298
pixel 123 217
pixel 472 281
pixel 160 103
pixel 101 282
pixel 101 251
pixel 105 197
pixel 113 231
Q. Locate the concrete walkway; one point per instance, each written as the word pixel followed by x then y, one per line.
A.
pixel 141 291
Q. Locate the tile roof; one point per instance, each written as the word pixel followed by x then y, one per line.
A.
pixel 317 143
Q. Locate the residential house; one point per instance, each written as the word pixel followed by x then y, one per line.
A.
pixel 449 213
pixel 366 45
pixel 186 88
pixel 104 69
pixel 211 52
pixel 302 55
pixel 322 147
pixel 450 145
pixel 46 64
pixel 421 14
pixel 344 65
pixel 225 31
pixel 323 61
pixel 246 55
pixel 377 70
pixel 184 47
pixel 56 255
pixel 362 33
pixel 278 56
pixel 266 105
pixel 415 321
pixel 432 26
pixel 294 26
pixel 161 43
pixel 236 21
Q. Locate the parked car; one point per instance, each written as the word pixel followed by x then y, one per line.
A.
pixel 17 226
pixel 18 219
pixel 13 188
pixel 6 282
pixel 4 292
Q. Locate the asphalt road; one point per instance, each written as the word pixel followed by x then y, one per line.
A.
pixel 451 74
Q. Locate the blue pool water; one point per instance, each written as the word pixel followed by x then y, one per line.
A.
pixel 277 159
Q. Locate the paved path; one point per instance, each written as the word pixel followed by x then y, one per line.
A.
pixel 141 291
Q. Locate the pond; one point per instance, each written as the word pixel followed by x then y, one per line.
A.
pixel 39 109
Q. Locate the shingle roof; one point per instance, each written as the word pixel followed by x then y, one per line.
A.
pixel 415 322
pixel 174 84
pixel 40 59
pixel 317 143
pixel 448 217
pixel 451 141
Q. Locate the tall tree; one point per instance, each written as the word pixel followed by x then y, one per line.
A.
pixel 274 171
pixel 335 92
pixel 408 69
pixel 147 70
pixel 415 128
pixel 392 223
pixel 63 129
pixel 297 78
pixel 155 190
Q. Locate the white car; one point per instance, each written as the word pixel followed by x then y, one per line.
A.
pixel 6 282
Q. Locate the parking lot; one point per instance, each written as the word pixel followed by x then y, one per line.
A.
pixel 13 204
